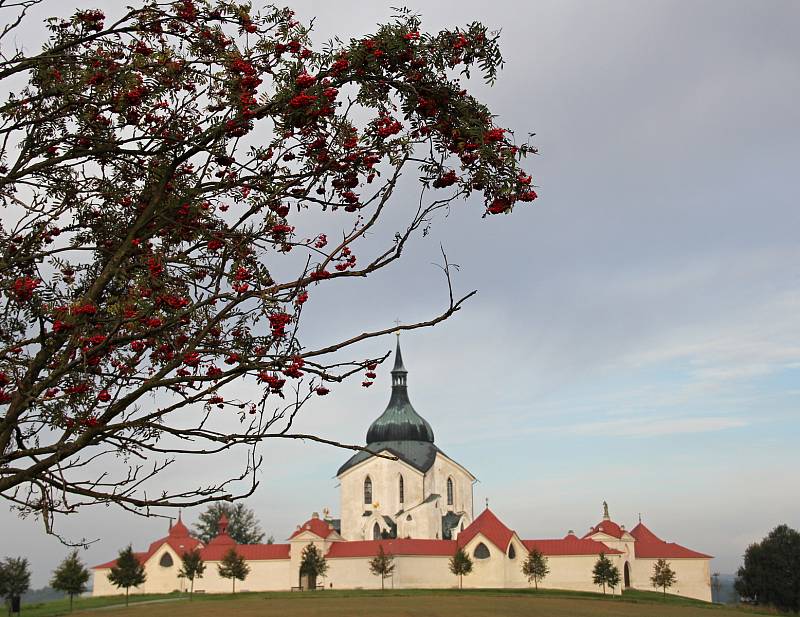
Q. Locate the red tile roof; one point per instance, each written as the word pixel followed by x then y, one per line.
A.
pixel 650 546
pixel 179 530
pixel 570 545
pixel 178 540
pixel 222 540
pixel 253 552
pixel 397 546
pixel 607 527
pixel 142 557
pixel 492 529
pixel 316 526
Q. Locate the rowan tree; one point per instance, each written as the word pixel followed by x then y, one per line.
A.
pixel 127 572
pixel 70 577
pixel 382 565
pixel 192 567
pixel 460 565
pixel 233 566
pixel 535 567
pixel 177 181
pixel 663 575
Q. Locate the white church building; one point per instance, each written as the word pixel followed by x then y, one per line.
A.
pixel 417 503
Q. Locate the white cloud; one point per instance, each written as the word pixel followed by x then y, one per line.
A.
pixel 652 427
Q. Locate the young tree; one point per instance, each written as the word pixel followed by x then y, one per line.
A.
pixel 312 563
pixel 70 577
pixel 770 574
pixel 605 573
pixel 15 578
pixel 535 567
pixel 243 525
pixel 460 565
pixel 192 567
pixel 382 565
pixel 181 178
pixel 127 572
pixel 663 575
pixel 234 567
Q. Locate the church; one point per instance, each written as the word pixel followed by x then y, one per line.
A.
pixel 404 494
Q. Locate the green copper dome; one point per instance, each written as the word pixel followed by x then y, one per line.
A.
pixel 400 422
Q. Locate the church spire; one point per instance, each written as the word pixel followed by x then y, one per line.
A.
pixel 399 422
pixel 399 372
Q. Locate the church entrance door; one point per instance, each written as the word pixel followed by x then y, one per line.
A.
pixel 627 575
pixel 308 581
pixel 376 532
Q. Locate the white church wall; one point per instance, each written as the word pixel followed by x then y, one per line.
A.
pixel 693 577
pixel 162 579
pixel 423 572
pixel 436 483
pixel 159 579
pixel 350 573
pixel 385 476
pixel 265 575
pixel 101 586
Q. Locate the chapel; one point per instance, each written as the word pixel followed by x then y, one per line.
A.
pixel 419 492
pixel 404 495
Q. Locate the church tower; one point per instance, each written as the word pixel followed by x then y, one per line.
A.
pixel 417 493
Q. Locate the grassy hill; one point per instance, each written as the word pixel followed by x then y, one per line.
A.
pixel 390 603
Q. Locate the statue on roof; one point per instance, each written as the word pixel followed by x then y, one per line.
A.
pixel 605 511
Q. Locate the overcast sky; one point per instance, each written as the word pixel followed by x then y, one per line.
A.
pixel 636 335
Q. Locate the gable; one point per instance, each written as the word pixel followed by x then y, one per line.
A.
pixel 371 459
pixel 448 461
pixel 418 455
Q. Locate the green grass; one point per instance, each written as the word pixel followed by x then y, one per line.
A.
pixel 61 607
pixel 405 602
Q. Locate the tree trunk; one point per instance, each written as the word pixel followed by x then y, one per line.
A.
pixel 536 584
pixel 604 589
pixel 234 584
pixel 382 579
pixel 127 590
pixel 70 602
pixel 191 590
pixel 461 581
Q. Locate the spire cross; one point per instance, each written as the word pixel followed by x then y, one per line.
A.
pixel 487 503
pixel 397 322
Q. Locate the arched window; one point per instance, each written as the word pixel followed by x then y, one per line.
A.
pixel 450 499
pixel 481 551
pixel 376 532
pixel 402 491
pixel 368 491
pixel 512 554
pixel 165 561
